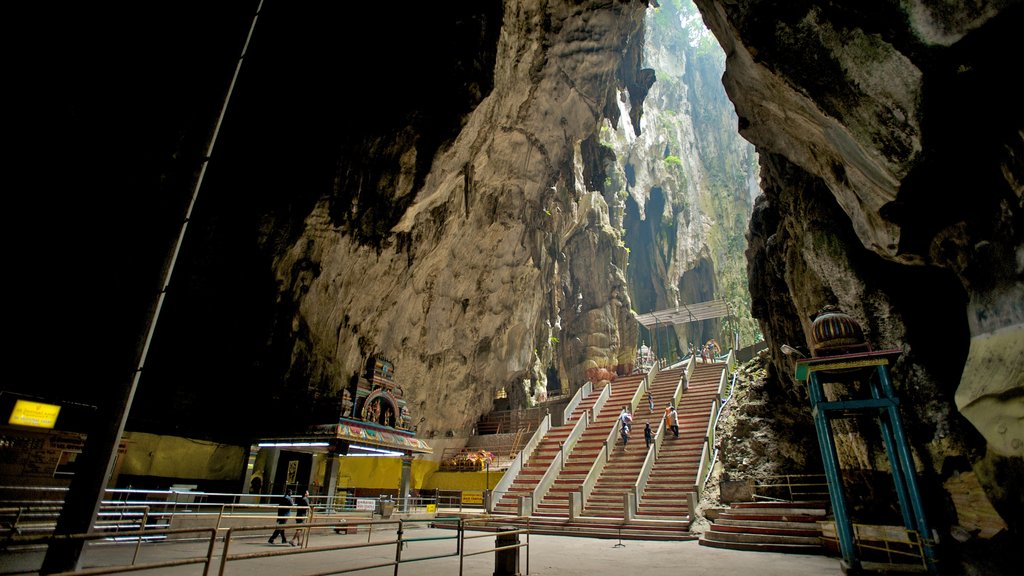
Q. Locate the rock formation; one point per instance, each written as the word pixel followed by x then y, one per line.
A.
pixel 890 141
pixel 426 182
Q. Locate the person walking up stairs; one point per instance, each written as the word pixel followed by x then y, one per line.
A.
pixel 672 420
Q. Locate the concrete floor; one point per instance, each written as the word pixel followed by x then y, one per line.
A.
pixel 431 551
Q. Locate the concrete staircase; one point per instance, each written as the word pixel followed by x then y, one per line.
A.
pixel 542 456
pixel 625 462
pixel 788 527
pixel 663 510
pixel 555 504
pixel 674 475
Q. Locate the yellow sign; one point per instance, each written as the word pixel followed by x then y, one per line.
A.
pixel 431 508
pixel 472 497
pixel 35 414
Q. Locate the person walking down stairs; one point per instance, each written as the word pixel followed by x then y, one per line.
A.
pixel 625 423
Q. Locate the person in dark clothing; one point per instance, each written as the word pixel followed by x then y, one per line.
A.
pixel 300 516
pixel 284 510
pixel 648 435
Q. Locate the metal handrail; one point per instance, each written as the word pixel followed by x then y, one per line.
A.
pixel 706 449
pixel 714 455
pixel 816 485
pixel 709 453
pixel 48 539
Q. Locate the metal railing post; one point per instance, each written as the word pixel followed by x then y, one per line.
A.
pixel 398 546
pixel 142 526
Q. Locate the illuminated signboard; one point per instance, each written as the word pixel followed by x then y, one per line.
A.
pixel 35 414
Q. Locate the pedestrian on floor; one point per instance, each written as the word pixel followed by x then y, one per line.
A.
pixel 648 435
pixel 650 401
pixel 284 510
pixel 673 420
pixel 300 516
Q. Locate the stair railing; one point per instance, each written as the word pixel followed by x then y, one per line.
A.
pixel 677 395
pixel 558 462
pixel 714 455
pixel 648 466
pixel 580 394
pixel 606 393
pixel 723 380
pixel 707 453
pixel 637 397
pixel 517 465
pixel 707 449
pixel 587 486
pixel 651 375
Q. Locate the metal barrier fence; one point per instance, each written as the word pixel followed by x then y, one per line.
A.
pixel 139 520
pixel 791 487
pixel 34 510
pixel 354 557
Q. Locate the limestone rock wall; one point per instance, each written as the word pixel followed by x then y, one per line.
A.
pixel 890 140
pixel 681 182
pixel 503 263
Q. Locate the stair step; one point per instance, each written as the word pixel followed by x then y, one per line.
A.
pixel 752 538
pixel 713 541
pixel 809 504
pixel 773 514
pixel 790 530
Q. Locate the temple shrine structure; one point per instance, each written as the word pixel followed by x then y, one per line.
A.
pixel 374 421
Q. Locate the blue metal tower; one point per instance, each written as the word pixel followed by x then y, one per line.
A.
pixel 872 370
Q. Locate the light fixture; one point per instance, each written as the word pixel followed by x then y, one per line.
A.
pixel 293 444
pixel 369 451
pixel 790 351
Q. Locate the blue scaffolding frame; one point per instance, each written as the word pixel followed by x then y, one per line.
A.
pixel 884 405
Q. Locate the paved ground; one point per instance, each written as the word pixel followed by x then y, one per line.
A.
pixel 432 551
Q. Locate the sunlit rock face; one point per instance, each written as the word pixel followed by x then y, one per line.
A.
pixel 485 262
pixel 890 137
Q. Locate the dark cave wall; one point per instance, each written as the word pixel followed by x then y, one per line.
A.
pixel 806 257
pixel 863 169
pixel 299 127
